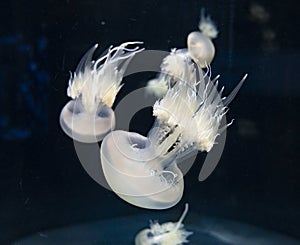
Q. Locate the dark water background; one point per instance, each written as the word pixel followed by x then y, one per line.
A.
pixel 42 184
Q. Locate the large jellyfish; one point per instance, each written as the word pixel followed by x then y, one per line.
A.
pixel 93 87
pixel 143 170
pixel 164 234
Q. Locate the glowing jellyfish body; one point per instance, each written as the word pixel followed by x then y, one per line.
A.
pixel 200 46
pixel 143 170
pixel 127 160
pixel 165 234
pixel 88 117
pixel 171 70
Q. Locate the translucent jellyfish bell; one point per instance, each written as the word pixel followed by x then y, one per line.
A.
pixel 143 170
pixel 201 48
pixel 126 159
pixel 200 45
pixel 164 234
pixel 86 127
pixel 88 117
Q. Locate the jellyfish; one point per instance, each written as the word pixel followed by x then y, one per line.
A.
pixel 143 170
pixel 157 86
pixel 88 117
pixel 166 234
pixel 171 69
pixel 200 46
pixel 200 49
pixel 207 26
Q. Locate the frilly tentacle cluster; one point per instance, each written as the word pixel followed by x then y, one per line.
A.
pixel 207 26
pixel 171 70
pixel 99 81
pixel 167 233
pixel 193 107
pixel 173 63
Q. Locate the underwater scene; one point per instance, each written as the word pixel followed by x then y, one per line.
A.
pixel 150 122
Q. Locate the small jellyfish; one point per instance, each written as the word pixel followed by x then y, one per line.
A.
pixel 88 117
pixel 171 69
pixel 143 170
pixel 200 49
pixel 157 86
pixel 166 234
pixel 173 63
pixel 199 44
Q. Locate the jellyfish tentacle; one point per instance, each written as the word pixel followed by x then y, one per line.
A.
pixel 207 26
pixel 179 223
pixel 85 60
pixel 234 92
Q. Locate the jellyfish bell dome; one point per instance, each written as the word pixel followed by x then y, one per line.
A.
pixel 126 158
pixel 86 127
pixel 200 48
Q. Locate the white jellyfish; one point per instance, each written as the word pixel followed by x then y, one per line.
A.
pixel 157 86
pixel 171 70
pixel 170 233
pixel 143 170
pixel 200 46
pixel 88 117
pixel 207 26
pixel 200 49
pixel 173 64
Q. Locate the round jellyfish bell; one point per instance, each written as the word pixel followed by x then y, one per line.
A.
pixel 127 160
pixel 164 234
pixel 200 48
pixel 86 127
pixel 143 170
pixel 88 117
